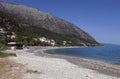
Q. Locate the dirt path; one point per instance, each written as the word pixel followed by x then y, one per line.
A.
pixel 10 69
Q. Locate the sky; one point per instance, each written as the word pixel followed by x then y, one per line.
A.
pixel 100 18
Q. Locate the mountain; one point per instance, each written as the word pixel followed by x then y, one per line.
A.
pixel 25 21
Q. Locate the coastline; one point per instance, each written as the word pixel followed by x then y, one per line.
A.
pixel 99 66
pixel 47 66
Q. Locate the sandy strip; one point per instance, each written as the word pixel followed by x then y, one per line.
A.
pixel 38 67
pixel 10 69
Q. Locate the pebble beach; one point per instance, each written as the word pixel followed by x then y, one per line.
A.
pixel 44 66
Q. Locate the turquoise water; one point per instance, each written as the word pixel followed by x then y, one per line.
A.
pixel 107 53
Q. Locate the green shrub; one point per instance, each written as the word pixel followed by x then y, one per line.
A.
pixel 2 54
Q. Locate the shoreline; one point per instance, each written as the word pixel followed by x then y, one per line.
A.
pixel 99 66
pixel 47 66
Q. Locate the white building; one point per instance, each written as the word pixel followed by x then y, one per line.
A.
pixel 64 43
pixel 49 41
pixel 2 30
pixel 43 39
pixel 12 45
pixel 13 36
pixel 52 43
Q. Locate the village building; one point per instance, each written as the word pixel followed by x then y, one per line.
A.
pixel 52 43
pixel 2 33
pixel 35 39
pixel 14 46
pixel 1 30
pixel 43 39
pixel 13 36
pixel 64 43
pixel 49 41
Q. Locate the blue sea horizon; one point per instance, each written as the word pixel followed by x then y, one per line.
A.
pixel 109 53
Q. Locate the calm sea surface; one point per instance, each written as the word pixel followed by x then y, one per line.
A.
pixel 107 53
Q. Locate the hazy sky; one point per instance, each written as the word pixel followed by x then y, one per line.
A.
pixel 100 18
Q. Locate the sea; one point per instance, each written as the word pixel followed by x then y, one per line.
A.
pixel 108 53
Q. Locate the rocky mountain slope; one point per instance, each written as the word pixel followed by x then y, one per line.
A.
pixel 16 17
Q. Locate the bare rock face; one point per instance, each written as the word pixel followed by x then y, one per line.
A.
pixel 26 16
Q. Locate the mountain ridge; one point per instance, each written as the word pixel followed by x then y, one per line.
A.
pixel 25 17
